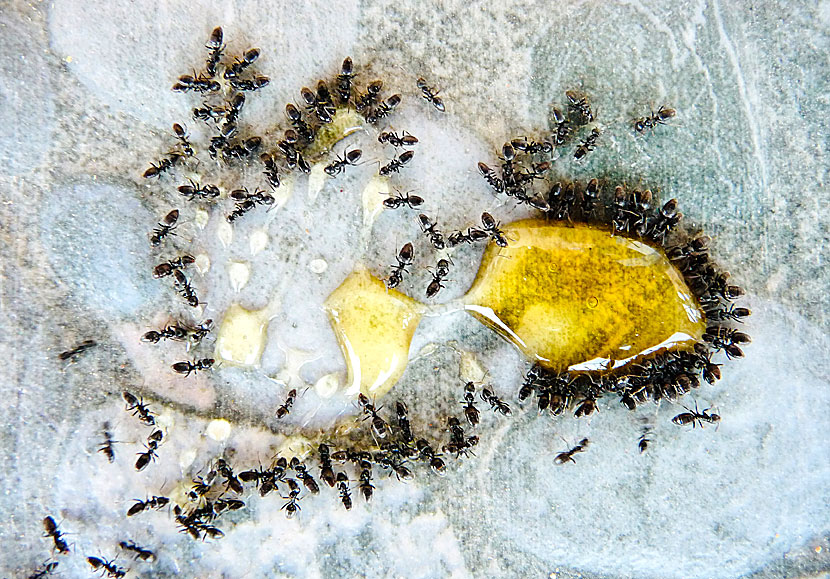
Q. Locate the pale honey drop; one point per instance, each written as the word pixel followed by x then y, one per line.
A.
pixel 580 298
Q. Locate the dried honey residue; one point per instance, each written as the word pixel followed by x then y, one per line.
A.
pixel 581 298
pixel 374 327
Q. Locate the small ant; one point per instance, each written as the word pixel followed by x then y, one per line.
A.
pixel 235 107
pixel 44 570
pixel 580 105
pixel 365 101
pixel 491 227
pixel 198 333
pixel 164 165
pixel 139 408
pixel 242 150
pixel 215 48
pixel 108 568
pixel 588 145
pixel 283 410
pixel 403 421
pixel 326 472
pixel 459 444
pixel 695 417
pixel 304 475
pixel 168 267
pixel 531 147
pixel 305 132
pixel 187 367
pixel 591 196
pixel 562 129
pixel 144 458
pixel 472 236
pixel 405 257
pixel 77 350
pixel 183 287
pixel 171 332
pixel 292 507
pixel 411 201
pixel 325 106
pixel 107 446
pixel 405 140
pixel 240 64
pixel 567 456
pixel 246 201
pixel 496 403
pixel 650 122
pixel 196 191
pixel 231 481
pixel 208 113
pixel 198 83
pixel 51 528
pixel 384 109
pixel 340 164
pixel 428 453
pixel 365 484
pixel 436 238
pixel 470 410
pixel 396 164
pixel 220 142
pixel 343 489
pixel 430 94
pixel 379 426
pixel 253 84
pixel 492 179
pixel 442 270
pixel 153 502
pixel 181 135
pixel 344 81
pixel 272 172
pixel 140 553
pixel 727 340
pixel 165 228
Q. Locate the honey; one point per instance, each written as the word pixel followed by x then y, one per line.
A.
pixel 579 298
pixel 241 337
pixel 374 327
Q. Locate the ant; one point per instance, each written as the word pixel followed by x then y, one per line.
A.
pixel 472 236
pixel 404 140
pixel 730 313
pixel 139 409
pixel 143 554
pixel 215 48
pixel 198 333
pixel 292 507
pixel 496 403
pixel 379 426
pixel 591 196
pixel 153 502
pixel 181 135
pixel 344 81
pixel 77 350
pixel 579 104
pixel 196 191
pixel 365 101
pixel 727 340
pixel 144 458
pixel 272 172
pixel 240 64
pixel 384 109
pixel 108 568
pixel 167 268
pixel 44 570
pixel 403 421
pixel 171 332
pixel 182 285
pixel 164 165
pixel 567 456
pixel 644 440
pixel 442 270
pixel 51 528
pixel 343 489
pixel 695 417
pixel 588 145
pixel 303 129
pixel 365 484
pixel 396 164
pixel 491 227
pixel 197 83
pixel 231 481
pixel 208 113
pixel 304 475
pixel 187 367
pixel 246 201
pixel 412 201
pixel 326 472
pixel 436 238
pixel 325 106
pixel 236 105
pixel 430 94
pixel 107 446
pixel 405 257
pixel 165 228
pixel 220 141
pixel 242 150
pixel 428 453
pixel 253 84
pixel 283 410
pixel 340 164
pixel 492 179
pixel 470 410
pixel 650 122
pixel 531 147
pixel 459 444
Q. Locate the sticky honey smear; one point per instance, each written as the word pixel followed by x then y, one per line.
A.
pixel 374 327
pixel 580 299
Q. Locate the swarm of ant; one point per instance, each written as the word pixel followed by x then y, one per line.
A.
pixel 389 443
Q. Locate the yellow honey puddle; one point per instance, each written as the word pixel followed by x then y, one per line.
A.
pixel 374 327
pixel 580 298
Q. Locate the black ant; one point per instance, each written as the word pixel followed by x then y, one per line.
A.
pixel 340 164
pixel 325 106
pixel 430 94
pixel 643 442
pixel 108 568
pixel 187 367
pixel 379 426
pixel 139 409
pixel 403 421
pixel 405 257
pixel 491 227
pixel 459 444
pixel 436 238
pixel 107 446
pixel 164 165
pixel 727 340
pixel 208 113
pixel 168 267
pixel 730 313
pixel 326 472
pixel 567 456
pixel 77 350
pixel 197 333
pixel 242 150
pixel 384 109
pixel 365 484
pixel 305 132
pixel 496 403
pixel 695 417
pixel 343 489
pixel 197 191
pixel 220 141
pixel 235 107
pixel 579 104
pixel 246 201
pixel 44 570
pixel 292 507
pixel 240 64
pixel 181 135
pixel 283 410
pixel 51 528
pixel 140 553
pixel 650 122
pixel 183 287
pixel 144 458
pixel 428 453
pixel 396 164
pixel 153 502
pixel 411 201
pixel 404 140
pixel 344 81
pixel 588 145
pixel 171 332
pixel 197 83
pixel 472 236
pixel 470 411
pixel 215 48
pixel 304 475
pixel 492 178
pixel 591 196
pixel 231 481
pixel 165 228
pixel 272 172
pixel 442 270
pixel 531 147
pixel 365 101
pixel 252 84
